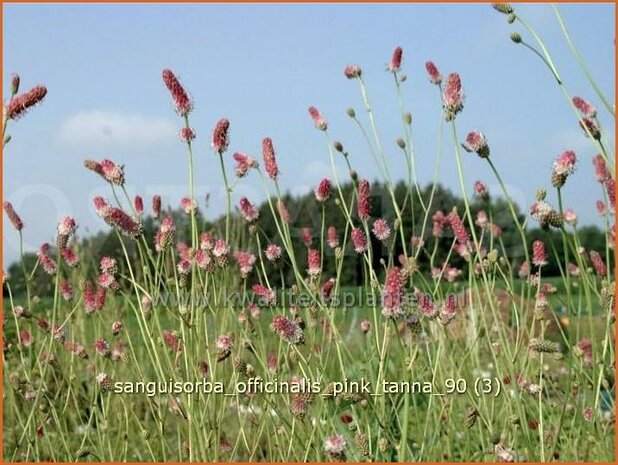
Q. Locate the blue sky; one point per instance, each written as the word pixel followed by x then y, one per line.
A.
pixel 261 66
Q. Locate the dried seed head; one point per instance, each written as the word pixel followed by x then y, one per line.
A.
pixel 504 8
pixel 515 37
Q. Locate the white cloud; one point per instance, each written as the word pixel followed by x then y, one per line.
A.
pixel 109 130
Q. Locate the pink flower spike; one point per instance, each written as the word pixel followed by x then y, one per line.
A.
pixel 243 164
pixel 188 205
pixel 539 257
pixel 305 235
pixel 476 142
pixel 481 190
pixel 270 161
pixel 434 74
pixel 248 210
pixel 318 119
pixel 364 200
pixel 585 108
pixel 156 206
pixel 396 60
pixel 138 204
pixel 393 293
pixel 220 136
pixel 20 104
pixel 182 101
pixel 314 263
pixel 453 97
pixel 13 217
pixel 187 135
pixel 273 252
pixel 598 263
pixel 359 240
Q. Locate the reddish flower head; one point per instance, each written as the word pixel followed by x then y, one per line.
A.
pixel 458 227
pixel 138 204
pixel 396 60
pixel 283 211
pixel 220 136
pixel 305 235
pixel 481 190
pixel 598 263
pixel 245 261
pixel 585 108
pixel 318 119
pixel 243 164
pixel 364 200
pixel 112 172
pixel 434 74
pixel 314 262
pixel 287 330
pixel 273 252
pixel 322 192
pixel 20 104
pixel 381 229
pixel 248 210
pixel 187 135
pixel 352 71
pixel 182 102
pixel 13 217
pixel 270 161
pixel 393 293
pixel 600 168
pixel 359 240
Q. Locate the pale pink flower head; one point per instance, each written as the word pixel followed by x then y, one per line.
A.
pixel 13 217
pixel 352 71
pixel 396 60
pixel 165 234
pixel 481 190
pixel 564 165
pixel 481 219
pixel 289 331
pixel 156 206
pixel 600 168
pixel 601 208
pixel 248 210
pixel 112 172
pixel 364 200
pixel 243 164
pixel 182 102
pixel 433 72
pixel 573 269
pixel 327 288
pixel 69 256
pixel 335 444
pixel 381 230
pixel 539 256
pixel 318 119
pixel 584 107
pixel 283 211
pixel 102 347
pixel 305 235
pixel 496 230
pixel 332 239
pixel 172 340
pixel 314 262
pixel 570 216
pixel 270 160
pixel 204 260
pixel 67 226
pixel 598 263
pixel 245 261
pixel 359 240
pixel 365 326
pixel 273 252
pixel 66 290
pixel 188 205
pixel 207 242
pixel 187 135
pixel 117 328
pixel 453 97
pixel 322 192
pixel 585 346
pixel 524 270
pixel 220 251
pixel 184 267
pixel 20 104
pixel 476 142
pixel 417 242
pixel 221 136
